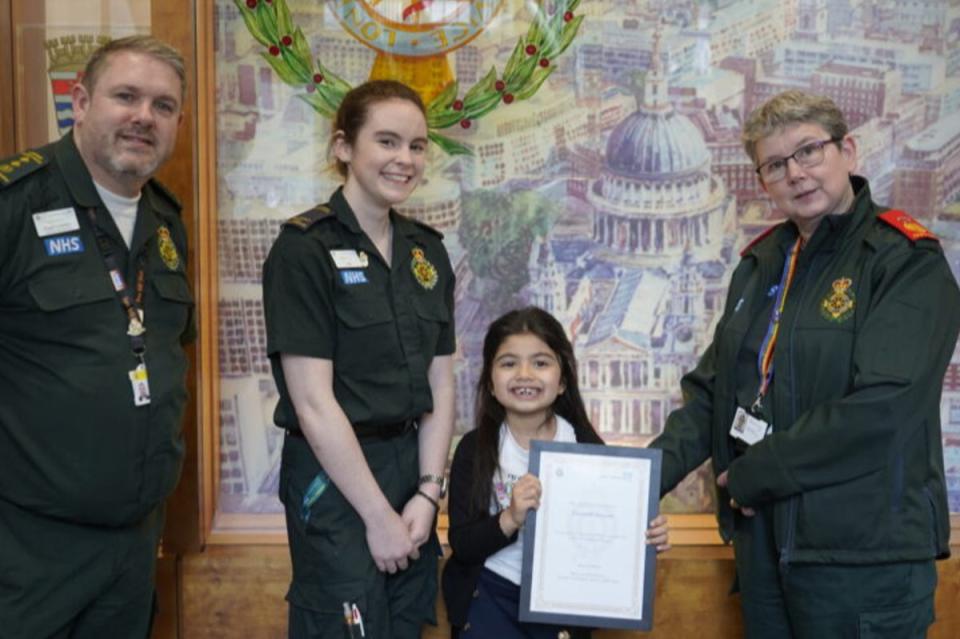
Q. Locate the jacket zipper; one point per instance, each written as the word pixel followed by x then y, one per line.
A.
pixel 794 502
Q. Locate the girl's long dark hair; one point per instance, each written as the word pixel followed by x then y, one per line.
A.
pixel 490 413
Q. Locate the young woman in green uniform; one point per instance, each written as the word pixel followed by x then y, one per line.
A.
pixel 360 330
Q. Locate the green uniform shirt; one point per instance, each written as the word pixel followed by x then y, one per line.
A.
pixel 328 294
pixel 854 466
pixel 72 443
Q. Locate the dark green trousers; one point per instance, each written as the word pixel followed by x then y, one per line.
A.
pixel 59 579
pixel 331 560
pixel 827 601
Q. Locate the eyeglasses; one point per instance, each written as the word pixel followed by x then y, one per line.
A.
pixel 806 156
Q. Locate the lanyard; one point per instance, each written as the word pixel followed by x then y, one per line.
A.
pixel 132 301
pixel 765 356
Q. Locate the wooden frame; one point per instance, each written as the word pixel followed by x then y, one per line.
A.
pixel 239 528
pixel 221 528
pixel 27 131
pixel 8 145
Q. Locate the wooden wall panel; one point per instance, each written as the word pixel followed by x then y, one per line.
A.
pixel 29 56
pixel 171 22
pixel 165 624
pixel 7 121
pixel 237 591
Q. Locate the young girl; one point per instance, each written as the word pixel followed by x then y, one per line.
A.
pixel 359 310
pixel 527 390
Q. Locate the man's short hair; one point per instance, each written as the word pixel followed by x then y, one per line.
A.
pixel 789 108
pixel 145 44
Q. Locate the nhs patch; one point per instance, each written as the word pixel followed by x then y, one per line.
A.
pixel 353 277
pixel 63 245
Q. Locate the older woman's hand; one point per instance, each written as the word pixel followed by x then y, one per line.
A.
pixel 722 481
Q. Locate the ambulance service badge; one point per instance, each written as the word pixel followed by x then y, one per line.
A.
pixel 838 305
pixel 168 251
pixel 423 270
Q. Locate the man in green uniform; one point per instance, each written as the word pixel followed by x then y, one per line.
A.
pixel 819 398
pixel 94 309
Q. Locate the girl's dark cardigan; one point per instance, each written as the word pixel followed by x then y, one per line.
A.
pixel 473 537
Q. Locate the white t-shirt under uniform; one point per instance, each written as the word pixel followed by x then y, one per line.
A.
pixel 123 210
pixel 514 462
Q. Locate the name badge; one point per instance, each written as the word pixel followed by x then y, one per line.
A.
pixel 353 277
pixel 346 258
pixel 748 428
pixel 55 222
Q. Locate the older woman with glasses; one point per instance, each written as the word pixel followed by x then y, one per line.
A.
pixel 819 398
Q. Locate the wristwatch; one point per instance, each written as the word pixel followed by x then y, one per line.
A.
pixel 439 480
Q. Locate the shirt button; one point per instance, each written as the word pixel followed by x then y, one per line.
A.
pixel 476 593
pixel 466 626
pixel 563 634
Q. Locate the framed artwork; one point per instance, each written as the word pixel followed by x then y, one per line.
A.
pixel 585 158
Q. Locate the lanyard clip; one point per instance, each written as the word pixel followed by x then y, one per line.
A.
pixel 757 406
pixel 135 327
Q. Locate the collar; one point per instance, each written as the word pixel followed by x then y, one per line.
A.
pixel 75 173
pixel 831 230
pixel 345 215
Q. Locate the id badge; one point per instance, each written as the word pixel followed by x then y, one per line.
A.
pixel 140 385
pixel 748 428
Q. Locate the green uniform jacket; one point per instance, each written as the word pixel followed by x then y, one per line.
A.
pixel 854 465
pixel 72 443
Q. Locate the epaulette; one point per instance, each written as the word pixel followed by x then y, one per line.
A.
pixel 166 194
pixel 904 223
pixel 758 239
pixel 305 220
pixel 16 167
pixel 426 227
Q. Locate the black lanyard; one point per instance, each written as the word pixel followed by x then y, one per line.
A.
pixel 132 301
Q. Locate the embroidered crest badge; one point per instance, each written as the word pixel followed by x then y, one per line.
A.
pixel 838 305
pixel 423 270
pixel 168 250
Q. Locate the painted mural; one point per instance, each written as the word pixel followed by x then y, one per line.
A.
pixel 586 159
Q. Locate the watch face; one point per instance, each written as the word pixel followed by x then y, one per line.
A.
pixel 414 27
pixel 440 480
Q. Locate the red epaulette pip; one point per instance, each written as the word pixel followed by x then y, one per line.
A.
pixel 907 225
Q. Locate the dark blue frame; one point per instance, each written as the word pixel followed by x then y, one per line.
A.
pixel 646 621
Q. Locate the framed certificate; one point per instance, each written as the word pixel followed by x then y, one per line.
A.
pixel 585 557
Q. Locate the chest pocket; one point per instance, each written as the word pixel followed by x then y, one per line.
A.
pixel 175 303
pixel 366 333
pixel 62 293
pixel 824 340
pixel 434 319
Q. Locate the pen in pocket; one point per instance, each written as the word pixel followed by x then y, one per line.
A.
pixel 313 492
pixel 352 621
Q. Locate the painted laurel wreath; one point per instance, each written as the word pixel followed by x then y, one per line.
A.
pixel 529 65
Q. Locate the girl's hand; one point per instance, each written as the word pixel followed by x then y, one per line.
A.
pixel 525 495
pixel 658 533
